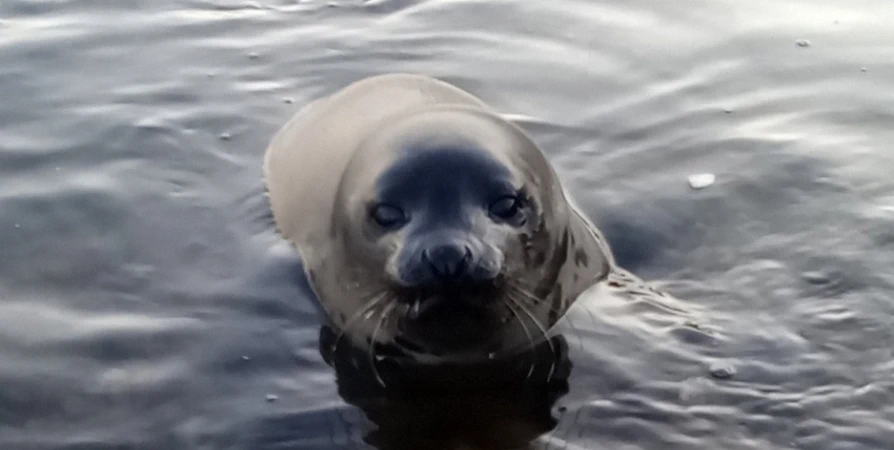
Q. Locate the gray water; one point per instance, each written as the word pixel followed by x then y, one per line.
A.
pixel 146 302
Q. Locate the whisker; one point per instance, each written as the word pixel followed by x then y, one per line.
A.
pixel 530 339
pixel 549 342
pixel 372 343
pixel 522 284
pixel 534 301
pixel 364 313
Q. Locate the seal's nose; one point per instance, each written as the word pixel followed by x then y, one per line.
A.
pixel 448 262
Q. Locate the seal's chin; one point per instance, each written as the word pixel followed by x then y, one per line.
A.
pixel 458 319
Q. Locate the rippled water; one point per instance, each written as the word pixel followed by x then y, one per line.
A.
pixel 147 303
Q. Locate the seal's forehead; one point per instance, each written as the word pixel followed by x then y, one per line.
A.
pixel 424 165
pixel 456 156
pixel 445 144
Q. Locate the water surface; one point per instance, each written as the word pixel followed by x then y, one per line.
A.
pixel 146 302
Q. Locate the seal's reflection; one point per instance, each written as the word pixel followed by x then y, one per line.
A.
pixel 504 403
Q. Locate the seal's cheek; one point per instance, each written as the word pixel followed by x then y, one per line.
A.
pixel 488 261
pixel 391 252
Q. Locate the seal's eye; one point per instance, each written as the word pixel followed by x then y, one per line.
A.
pixel 506 208
pixel 388 216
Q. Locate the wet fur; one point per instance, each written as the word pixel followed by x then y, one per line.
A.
pixel 350 137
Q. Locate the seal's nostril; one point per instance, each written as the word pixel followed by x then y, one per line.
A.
pixel 447 261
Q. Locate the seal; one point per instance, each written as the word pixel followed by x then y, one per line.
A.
pixel 428 223
pixel 504 403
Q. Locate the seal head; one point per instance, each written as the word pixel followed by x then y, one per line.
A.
pixel 430 224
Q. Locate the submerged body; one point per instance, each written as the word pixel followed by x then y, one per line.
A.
pixel 427 222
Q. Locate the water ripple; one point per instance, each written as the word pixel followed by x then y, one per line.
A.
pixel 146 302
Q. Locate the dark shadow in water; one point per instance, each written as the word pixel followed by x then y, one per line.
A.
pixel 505 403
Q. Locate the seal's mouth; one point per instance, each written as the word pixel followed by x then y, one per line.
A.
pixel 452 317
pixel 451 299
